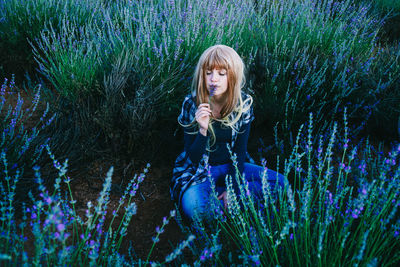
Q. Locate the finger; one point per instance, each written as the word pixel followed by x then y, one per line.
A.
pixel 204 105
pixel 204 108
pixel 204 114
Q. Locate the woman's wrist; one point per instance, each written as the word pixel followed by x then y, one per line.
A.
pixel 203 131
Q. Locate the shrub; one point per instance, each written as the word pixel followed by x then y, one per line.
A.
pixel 135 71
pixel 340 208
pixel 22 20
pixel 21 127
pixel 307 56
pixel 52 232
pixel 387 5
pixel 385 120
pixel 320 58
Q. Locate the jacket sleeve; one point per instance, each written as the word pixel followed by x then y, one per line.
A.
pixel 194 142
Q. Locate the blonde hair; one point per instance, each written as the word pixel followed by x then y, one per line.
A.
pixel 221 57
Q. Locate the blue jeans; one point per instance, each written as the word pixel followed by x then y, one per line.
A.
pixel 196 199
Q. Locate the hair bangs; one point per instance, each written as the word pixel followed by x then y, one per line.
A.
pixel 216 59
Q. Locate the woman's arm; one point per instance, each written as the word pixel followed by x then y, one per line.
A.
pixel 195 146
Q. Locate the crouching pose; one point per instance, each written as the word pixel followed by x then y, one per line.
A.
pixel 216 118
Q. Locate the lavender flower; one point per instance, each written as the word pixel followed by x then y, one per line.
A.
pixel 212 91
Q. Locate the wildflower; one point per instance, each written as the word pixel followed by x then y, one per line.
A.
pixel 212 91
pixel 172 213
pixel 330 197
pixel 347 169
pixel 364 191
pixel 264 163
pixel 355 213
pixel 165 220
pixel 48 200
pixel 159 230
pixel 60 227
pixel 179 249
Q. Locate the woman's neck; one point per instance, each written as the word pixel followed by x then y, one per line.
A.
pixel 218 99
pixel 216 108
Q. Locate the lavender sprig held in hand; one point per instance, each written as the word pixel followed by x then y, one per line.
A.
pixel 212 91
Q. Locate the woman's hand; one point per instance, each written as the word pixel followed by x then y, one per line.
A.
pixel 203 114
pixel 224 197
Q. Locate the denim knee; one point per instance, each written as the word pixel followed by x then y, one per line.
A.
pixel 276 179
pixel 195 202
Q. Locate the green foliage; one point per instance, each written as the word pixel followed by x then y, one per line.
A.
pixel 20 127
pixel 21 22
pixel 388 5
pixel 341 198
pixel 135 61
pixel 321 58
pixel 58 233
pixel 117 68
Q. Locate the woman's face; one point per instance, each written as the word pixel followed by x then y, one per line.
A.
pixel 217 78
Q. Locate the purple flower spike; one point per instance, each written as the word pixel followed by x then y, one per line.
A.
pixel 212 91
pixel 60 227
pixel 364 191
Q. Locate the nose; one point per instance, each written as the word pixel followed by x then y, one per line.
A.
pixel 214 76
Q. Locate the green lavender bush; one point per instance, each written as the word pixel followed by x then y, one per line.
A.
pixel 21 22
pixel 21 130
pixel 121 65
pixel 42 226
pixel 49 230
pixel 340 207
pixel 320 58
pixel 137 63
pixel 309 58
pixel 387 5
pixel 387 113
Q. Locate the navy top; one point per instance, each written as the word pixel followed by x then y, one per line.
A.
pixel 195 146
pixel 191 165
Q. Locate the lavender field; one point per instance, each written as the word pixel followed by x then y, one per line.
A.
pixel 90 95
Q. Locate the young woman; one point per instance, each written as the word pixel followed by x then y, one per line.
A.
pixel 216 118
